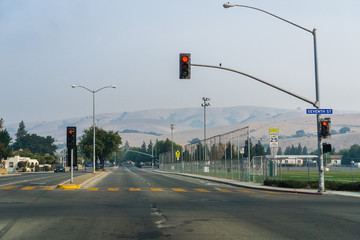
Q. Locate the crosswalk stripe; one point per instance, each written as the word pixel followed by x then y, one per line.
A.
pixel 223 190
pixel 270 192
pixel 134 189
pixel 93 189
pixel 201 190
pixel 156 189
pixel 8 187
pixel 113 189
pixel 178 190
pixel 28 188
pixel 245 191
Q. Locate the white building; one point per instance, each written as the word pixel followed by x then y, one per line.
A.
pixel 11 164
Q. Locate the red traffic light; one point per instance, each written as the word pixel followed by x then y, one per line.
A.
pixel 185 59
pixel 185 66
pixel 324 123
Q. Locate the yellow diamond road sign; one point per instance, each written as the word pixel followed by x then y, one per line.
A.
pixel 177 154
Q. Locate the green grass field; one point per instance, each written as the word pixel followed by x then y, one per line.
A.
pixel 338 176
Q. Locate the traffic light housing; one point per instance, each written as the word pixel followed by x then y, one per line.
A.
pixel 325 124
pixel 326 147
pixel 185 66
pixel 71 137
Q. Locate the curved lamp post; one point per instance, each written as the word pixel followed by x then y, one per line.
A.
pixel 317 102
pixel 93 92
pixel 204 105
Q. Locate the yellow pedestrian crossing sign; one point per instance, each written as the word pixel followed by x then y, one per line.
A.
pixel 177 154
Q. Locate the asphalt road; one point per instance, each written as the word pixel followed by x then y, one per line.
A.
pixel 131 203
pixel 37 178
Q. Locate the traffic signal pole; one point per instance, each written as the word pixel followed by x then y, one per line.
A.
pixel 72 166
pixel 315 104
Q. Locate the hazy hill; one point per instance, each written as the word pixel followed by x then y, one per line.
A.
pixel 135 127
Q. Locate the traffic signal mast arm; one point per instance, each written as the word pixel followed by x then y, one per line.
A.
pixel 315 104
pixel 140 153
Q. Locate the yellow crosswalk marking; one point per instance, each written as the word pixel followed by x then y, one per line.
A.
pixel 246 191
pixel 134 189
pixel 48 188
pixel 113 189
pixel 223 190
pixel 201 190
pixel 156 189
pixel 271 192
pixel 69 189
pixel 93 189
pixel 8 187
pixel 178 190
pixel 28 188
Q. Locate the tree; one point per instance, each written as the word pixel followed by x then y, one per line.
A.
pixel 259 149
pixel 194 140
pixel 300 133
pixel 5 149
pixel 21 132
pixel 344 130
pixel 106 143
pixel 304 151
pixel 143 147
pixel 150 147
pixel 36 144
pixel 268 150
pixel 279 152
pixel 299 150
pixel 352 154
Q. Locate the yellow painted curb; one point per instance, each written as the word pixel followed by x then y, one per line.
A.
pixel 72 186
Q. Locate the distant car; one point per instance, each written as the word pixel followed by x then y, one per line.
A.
pixel 59 169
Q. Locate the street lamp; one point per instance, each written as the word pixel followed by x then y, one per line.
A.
pixel 93 92
pixel 317 101
pixel 204 105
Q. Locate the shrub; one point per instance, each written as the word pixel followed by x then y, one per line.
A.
pixel 329 185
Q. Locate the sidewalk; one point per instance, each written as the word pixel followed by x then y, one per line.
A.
pixel 258 186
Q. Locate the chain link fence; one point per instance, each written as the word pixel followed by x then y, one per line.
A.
pixel 224 156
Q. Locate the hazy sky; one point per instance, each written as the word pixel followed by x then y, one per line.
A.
pixel 48 45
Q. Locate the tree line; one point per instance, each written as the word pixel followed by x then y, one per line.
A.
pixel 27 145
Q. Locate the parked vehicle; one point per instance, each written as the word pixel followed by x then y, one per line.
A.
pixel 59 169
